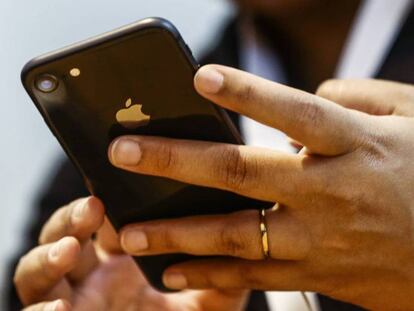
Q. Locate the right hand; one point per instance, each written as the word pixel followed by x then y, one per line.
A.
pixel 72 271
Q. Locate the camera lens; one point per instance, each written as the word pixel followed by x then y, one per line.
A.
pixel 46 83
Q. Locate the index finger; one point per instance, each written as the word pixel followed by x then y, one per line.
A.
pixel 79 219
pixel 43 268
pixel 319 124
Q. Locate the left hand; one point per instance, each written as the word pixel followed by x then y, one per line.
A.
pixel 71 271
pixel 346 223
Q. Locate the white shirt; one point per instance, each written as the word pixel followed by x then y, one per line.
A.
pixel 372 35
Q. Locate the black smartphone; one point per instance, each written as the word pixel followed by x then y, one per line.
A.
pixel 135 80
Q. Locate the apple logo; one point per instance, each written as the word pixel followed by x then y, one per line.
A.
pixel 132 117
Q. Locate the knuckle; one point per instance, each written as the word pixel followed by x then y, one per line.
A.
pixel 205 280
pixel 58 225
pixel 229 240
pixel 166 158
pixel 311 114
pixel 165 239
pixel 235 240
pixel 375 147
pixel 246 93
pixel 234 169
pixel 249 277
pixel 335 242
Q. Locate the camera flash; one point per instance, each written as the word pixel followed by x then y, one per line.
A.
pixel 75 72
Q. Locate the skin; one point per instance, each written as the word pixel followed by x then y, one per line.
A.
pixel 70 271
pixel 345 226
pixel 334 228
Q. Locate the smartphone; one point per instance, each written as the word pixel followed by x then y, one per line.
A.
pixel 134 80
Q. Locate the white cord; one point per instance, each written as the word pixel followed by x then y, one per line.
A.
pixel 307 301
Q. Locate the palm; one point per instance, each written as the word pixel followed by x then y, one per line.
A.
pixel 116 283
pixel 84 274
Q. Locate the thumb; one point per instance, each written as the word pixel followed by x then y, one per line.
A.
pixel 107 239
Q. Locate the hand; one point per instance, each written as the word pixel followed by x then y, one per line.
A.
pixel 345 226
pixel 70 271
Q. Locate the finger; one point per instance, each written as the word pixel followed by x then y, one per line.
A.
pixel 107 242
pixel 236 274
pixel 58 305
pixel 319 124
pixel 79 219
pixel 87 262
pixel 236 235
pixel 375 97
pixel 108 239
pixel 42 269
pixel 250 171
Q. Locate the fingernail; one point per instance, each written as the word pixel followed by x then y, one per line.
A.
pixel 54 251
pixel 175 280
pixel 209 80
pixel 134 241
pixel 80 209
pixel 125 152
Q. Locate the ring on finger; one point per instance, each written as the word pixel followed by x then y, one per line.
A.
pixel 264 234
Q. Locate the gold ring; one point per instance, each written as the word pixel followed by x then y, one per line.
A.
pixel 264 234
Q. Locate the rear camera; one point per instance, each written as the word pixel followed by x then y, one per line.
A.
pixel 46 83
